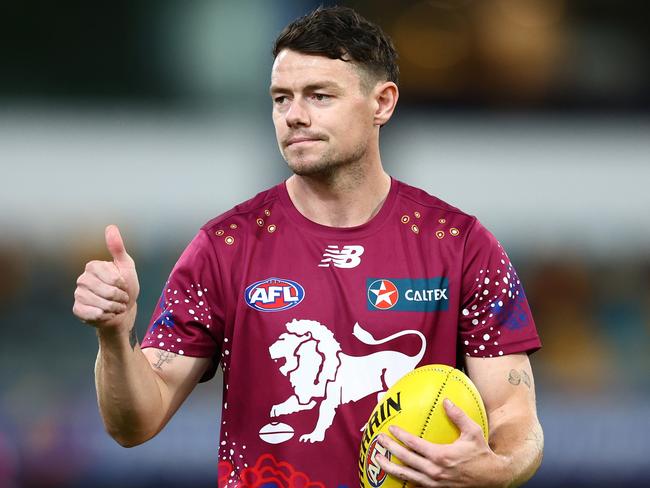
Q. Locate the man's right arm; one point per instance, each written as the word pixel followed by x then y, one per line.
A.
pixel 138 390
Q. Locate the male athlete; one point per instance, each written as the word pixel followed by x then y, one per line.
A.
pixel 318 294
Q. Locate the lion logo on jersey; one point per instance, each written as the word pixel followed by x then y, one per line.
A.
pixel 320 372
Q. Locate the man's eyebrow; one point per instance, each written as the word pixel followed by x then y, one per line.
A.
pixel 331 85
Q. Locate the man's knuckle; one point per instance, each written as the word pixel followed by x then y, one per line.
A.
pixel 409 442
pixel 117 294
pixel 399 473
pixel 435 458
pixel 115 278
pixel 434 472
pixel 475 431
pixel 81 313
pixel 443 460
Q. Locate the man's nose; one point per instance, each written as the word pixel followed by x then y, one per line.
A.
pixel 297 114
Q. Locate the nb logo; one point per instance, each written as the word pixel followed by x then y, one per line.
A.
pixel 348 257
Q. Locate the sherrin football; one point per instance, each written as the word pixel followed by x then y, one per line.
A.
pixel 414 403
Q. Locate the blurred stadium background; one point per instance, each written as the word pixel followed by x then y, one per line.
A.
pixel 531 114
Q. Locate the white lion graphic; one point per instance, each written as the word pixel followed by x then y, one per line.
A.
pixel 320 372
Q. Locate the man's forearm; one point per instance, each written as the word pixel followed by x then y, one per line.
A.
pixel 128 390
pixel 520 442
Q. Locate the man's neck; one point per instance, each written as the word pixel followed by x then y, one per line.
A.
pixel 344 199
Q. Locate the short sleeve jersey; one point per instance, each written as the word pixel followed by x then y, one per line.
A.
pixel 311 324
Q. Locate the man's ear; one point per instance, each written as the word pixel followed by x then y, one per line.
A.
pixel 385 95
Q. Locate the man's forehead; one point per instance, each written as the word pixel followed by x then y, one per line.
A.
pixel 291 64
pixel 289 56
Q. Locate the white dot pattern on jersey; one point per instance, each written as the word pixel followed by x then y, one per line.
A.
pixel 493 290
pixel 174 303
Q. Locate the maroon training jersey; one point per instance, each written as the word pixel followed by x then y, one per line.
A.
pixel 311 324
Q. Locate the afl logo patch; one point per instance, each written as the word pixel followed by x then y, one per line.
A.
pixel 274 295
pixel 376 476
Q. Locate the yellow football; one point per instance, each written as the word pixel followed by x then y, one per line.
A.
pixel 414 403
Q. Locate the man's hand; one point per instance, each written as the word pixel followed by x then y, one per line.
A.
pixel 468 461
pixel 136 395
pixel 107 291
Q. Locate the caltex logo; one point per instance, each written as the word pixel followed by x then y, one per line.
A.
pixel 408 294
pixel 383 294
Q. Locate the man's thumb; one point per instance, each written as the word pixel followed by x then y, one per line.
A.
pixel 115 246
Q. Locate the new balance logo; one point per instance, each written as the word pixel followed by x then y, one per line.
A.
pixel 348 257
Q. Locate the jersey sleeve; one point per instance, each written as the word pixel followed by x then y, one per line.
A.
pixel 188 319
pixel 495 317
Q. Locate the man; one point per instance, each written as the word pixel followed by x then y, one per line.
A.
pixel 314 296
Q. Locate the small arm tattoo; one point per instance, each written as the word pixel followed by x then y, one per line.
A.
pixel 133 338
pixel 163 357
pixel 515 378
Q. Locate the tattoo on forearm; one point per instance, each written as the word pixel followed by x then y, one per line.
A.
pixel 515 378
pixel 163 357
pixel 133 338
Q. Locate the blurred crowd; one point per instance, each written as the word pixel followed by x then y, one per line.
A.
pixel 485 54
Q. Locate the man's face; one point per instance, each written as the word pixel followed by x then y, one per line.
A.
pixel 323 117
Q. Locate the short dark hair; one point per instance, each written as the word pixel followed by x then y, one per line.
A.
pixel 341 33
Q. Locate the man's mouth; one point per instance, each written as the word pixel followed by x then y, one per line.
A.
pixel 301 140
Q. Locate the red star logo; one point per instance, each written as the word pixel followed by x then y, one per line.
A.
pixel 383 294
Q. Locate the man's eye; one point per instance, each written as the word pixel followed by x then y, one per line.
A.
pixel 280 100
pixel 321 97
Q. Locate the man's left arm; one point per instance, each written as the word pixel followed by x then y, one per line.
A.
pixel 514 449
pixel 507 387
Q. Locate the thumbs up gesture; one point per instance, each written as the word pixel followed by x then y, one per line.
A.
pixel 107 290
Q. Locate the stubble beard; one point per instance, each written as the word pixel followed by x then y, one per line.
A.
pixel 326 166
